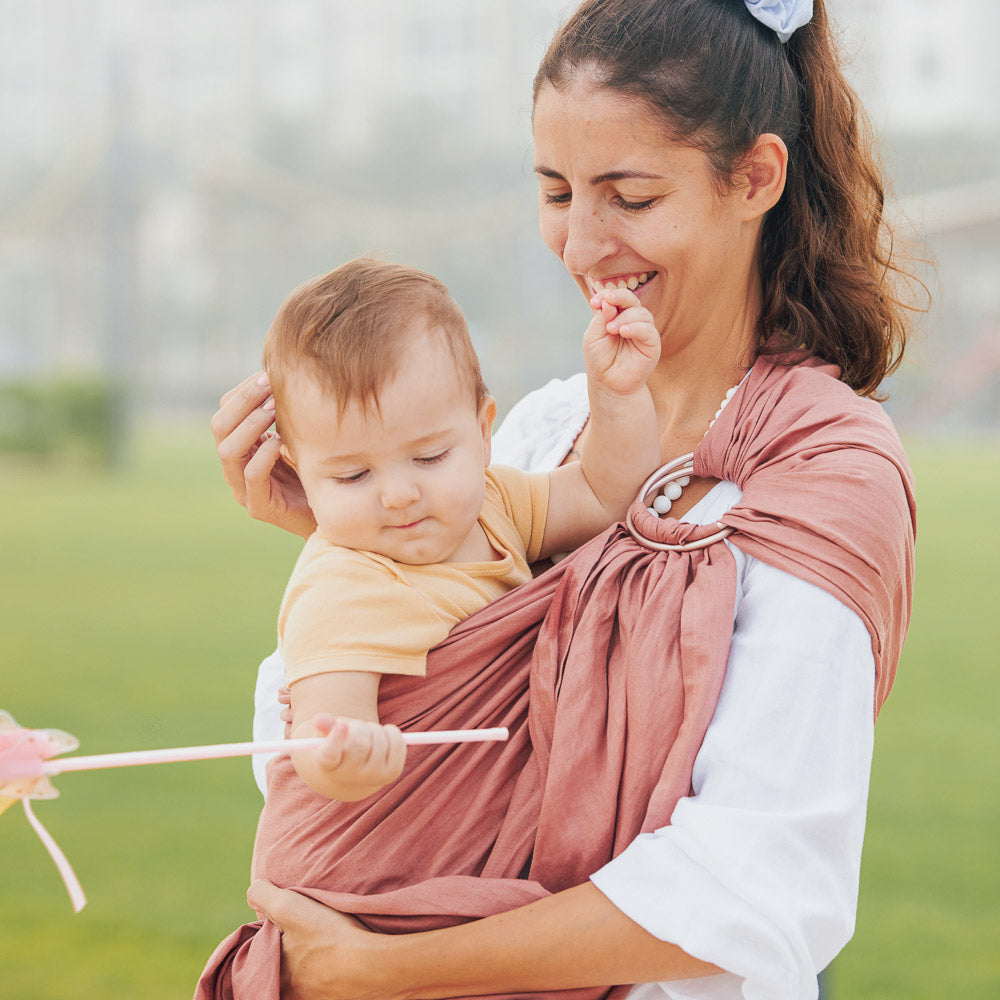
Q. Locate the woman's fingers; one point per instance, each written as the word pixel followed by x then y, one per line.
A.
pixel 315 945
pixel 250 385
pixel 239 426
pixel 237 404
pixel 286 715
pixel 265 898
pixel 255 474
pixel 290 911
pixel 251 458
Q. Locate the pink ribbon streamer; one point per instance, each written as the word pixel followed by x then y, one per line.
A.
pixel 65 869
pixel 25 757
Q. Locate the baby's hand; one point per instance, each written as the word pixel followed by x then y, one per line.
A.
pixel 358 758
pixel 621 345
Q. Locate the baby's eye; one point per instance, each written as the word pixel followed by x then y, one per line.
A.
pixel 354 477
pixel 435 458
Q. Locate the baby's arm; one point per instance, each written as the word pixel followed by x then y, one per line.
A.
pixel 621 447
pixel 359 756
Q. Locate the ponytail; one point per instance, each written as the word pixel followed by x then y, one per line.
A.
pixel 829 277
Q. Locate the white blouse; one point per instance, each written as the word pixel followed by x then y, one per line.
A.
pixel 758 871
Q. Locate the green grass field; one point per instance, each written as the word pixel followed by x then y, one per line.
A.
pixel 135 608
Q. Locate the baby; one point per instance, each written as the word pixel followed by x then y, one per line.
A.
pixel 382 411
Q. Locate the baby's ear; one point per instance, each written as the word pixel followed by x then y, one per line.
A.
pixel 286 455
pixel 487 417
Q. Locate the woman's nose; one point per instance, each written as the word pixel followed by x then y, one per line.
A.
pixel 587 239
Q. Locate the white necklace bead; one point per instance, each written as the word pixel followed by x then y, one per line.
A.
pixel 662 504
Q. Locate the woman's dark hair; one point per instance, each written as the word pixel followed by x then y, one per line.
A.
pixel 718 79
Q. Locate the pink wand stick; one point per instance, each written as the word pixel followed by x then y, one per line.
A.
pixel 213 751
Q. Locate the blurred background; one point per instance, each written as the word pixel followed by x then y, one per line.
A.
pixel 169 171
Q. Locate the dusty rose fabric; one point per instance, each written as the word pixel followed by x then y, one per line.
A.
pixel 607 670
pixel 827 494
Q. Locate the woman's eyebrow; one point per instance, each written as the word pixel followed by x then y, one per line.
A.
pixel 611 175
pixel 548 172
pixel 625 175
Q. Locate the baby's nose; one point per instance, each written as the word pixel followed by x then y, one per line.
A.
pixel 399 492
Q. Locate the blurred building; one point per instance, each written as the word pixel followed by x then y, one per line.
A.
pixel 930 74
pixel 926 66
pixel 171 170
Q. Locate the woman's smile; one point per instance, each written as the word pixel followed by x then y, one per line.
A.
pixel 633 282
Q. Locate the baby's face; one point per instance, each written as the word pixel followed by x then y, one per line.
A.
pixel 408 481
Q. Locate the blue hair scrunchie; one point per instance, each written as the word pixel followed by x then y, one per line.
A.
pixel 781 16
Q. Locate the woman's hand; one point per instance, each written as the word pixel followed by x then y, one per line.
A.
pixel 571 939
pixel 251 459
pixel 286 714
pixel 321 949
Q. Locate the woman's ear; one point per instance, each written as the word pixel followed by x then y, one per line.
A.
pixel 762 174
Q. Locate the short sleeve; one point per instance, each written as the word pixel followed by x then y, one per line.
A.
pixel 347 611
pixel 523 497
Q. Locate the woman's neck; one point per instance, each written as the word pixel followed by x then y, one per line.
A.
pixel 688 388
pixel 699 365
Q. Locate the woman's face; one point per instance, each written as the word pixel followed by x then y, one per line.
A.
pixel 621 202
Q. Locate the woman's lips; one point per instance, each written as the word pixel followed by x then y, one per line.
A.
pixel 630 281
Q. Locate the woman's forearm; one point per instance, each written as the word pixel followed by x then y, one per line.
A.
pixel 571 939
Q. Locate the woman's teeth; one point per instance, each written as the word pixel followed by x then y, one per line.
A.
pixel 632 282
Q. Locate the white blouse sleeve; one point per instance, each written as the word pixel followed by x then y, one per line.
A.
pixel 267 724
pixel 538 432
pixel 758 871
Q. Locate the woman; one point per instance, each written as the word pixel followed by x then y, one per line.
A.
pixel 708 154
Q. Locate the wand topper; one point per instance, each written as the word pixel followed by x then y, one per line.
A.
pixel 26 765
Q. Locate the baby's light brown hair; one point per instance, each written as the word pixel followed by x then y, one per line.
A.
pixel 349 329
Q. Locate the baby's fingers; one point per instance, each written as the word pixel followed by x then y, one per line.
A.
pixel 619 298
pixel 389 751
pixel 375 751
pixel 630 317
pixel 332 752
pixel 643 338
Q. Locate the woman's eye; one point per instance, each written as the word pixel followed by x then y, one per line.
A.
pixel 434 459
pixel 556 199
pixel 634 206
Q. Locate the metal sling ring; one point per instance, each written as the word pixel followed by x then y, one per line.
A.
pixel 679 468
